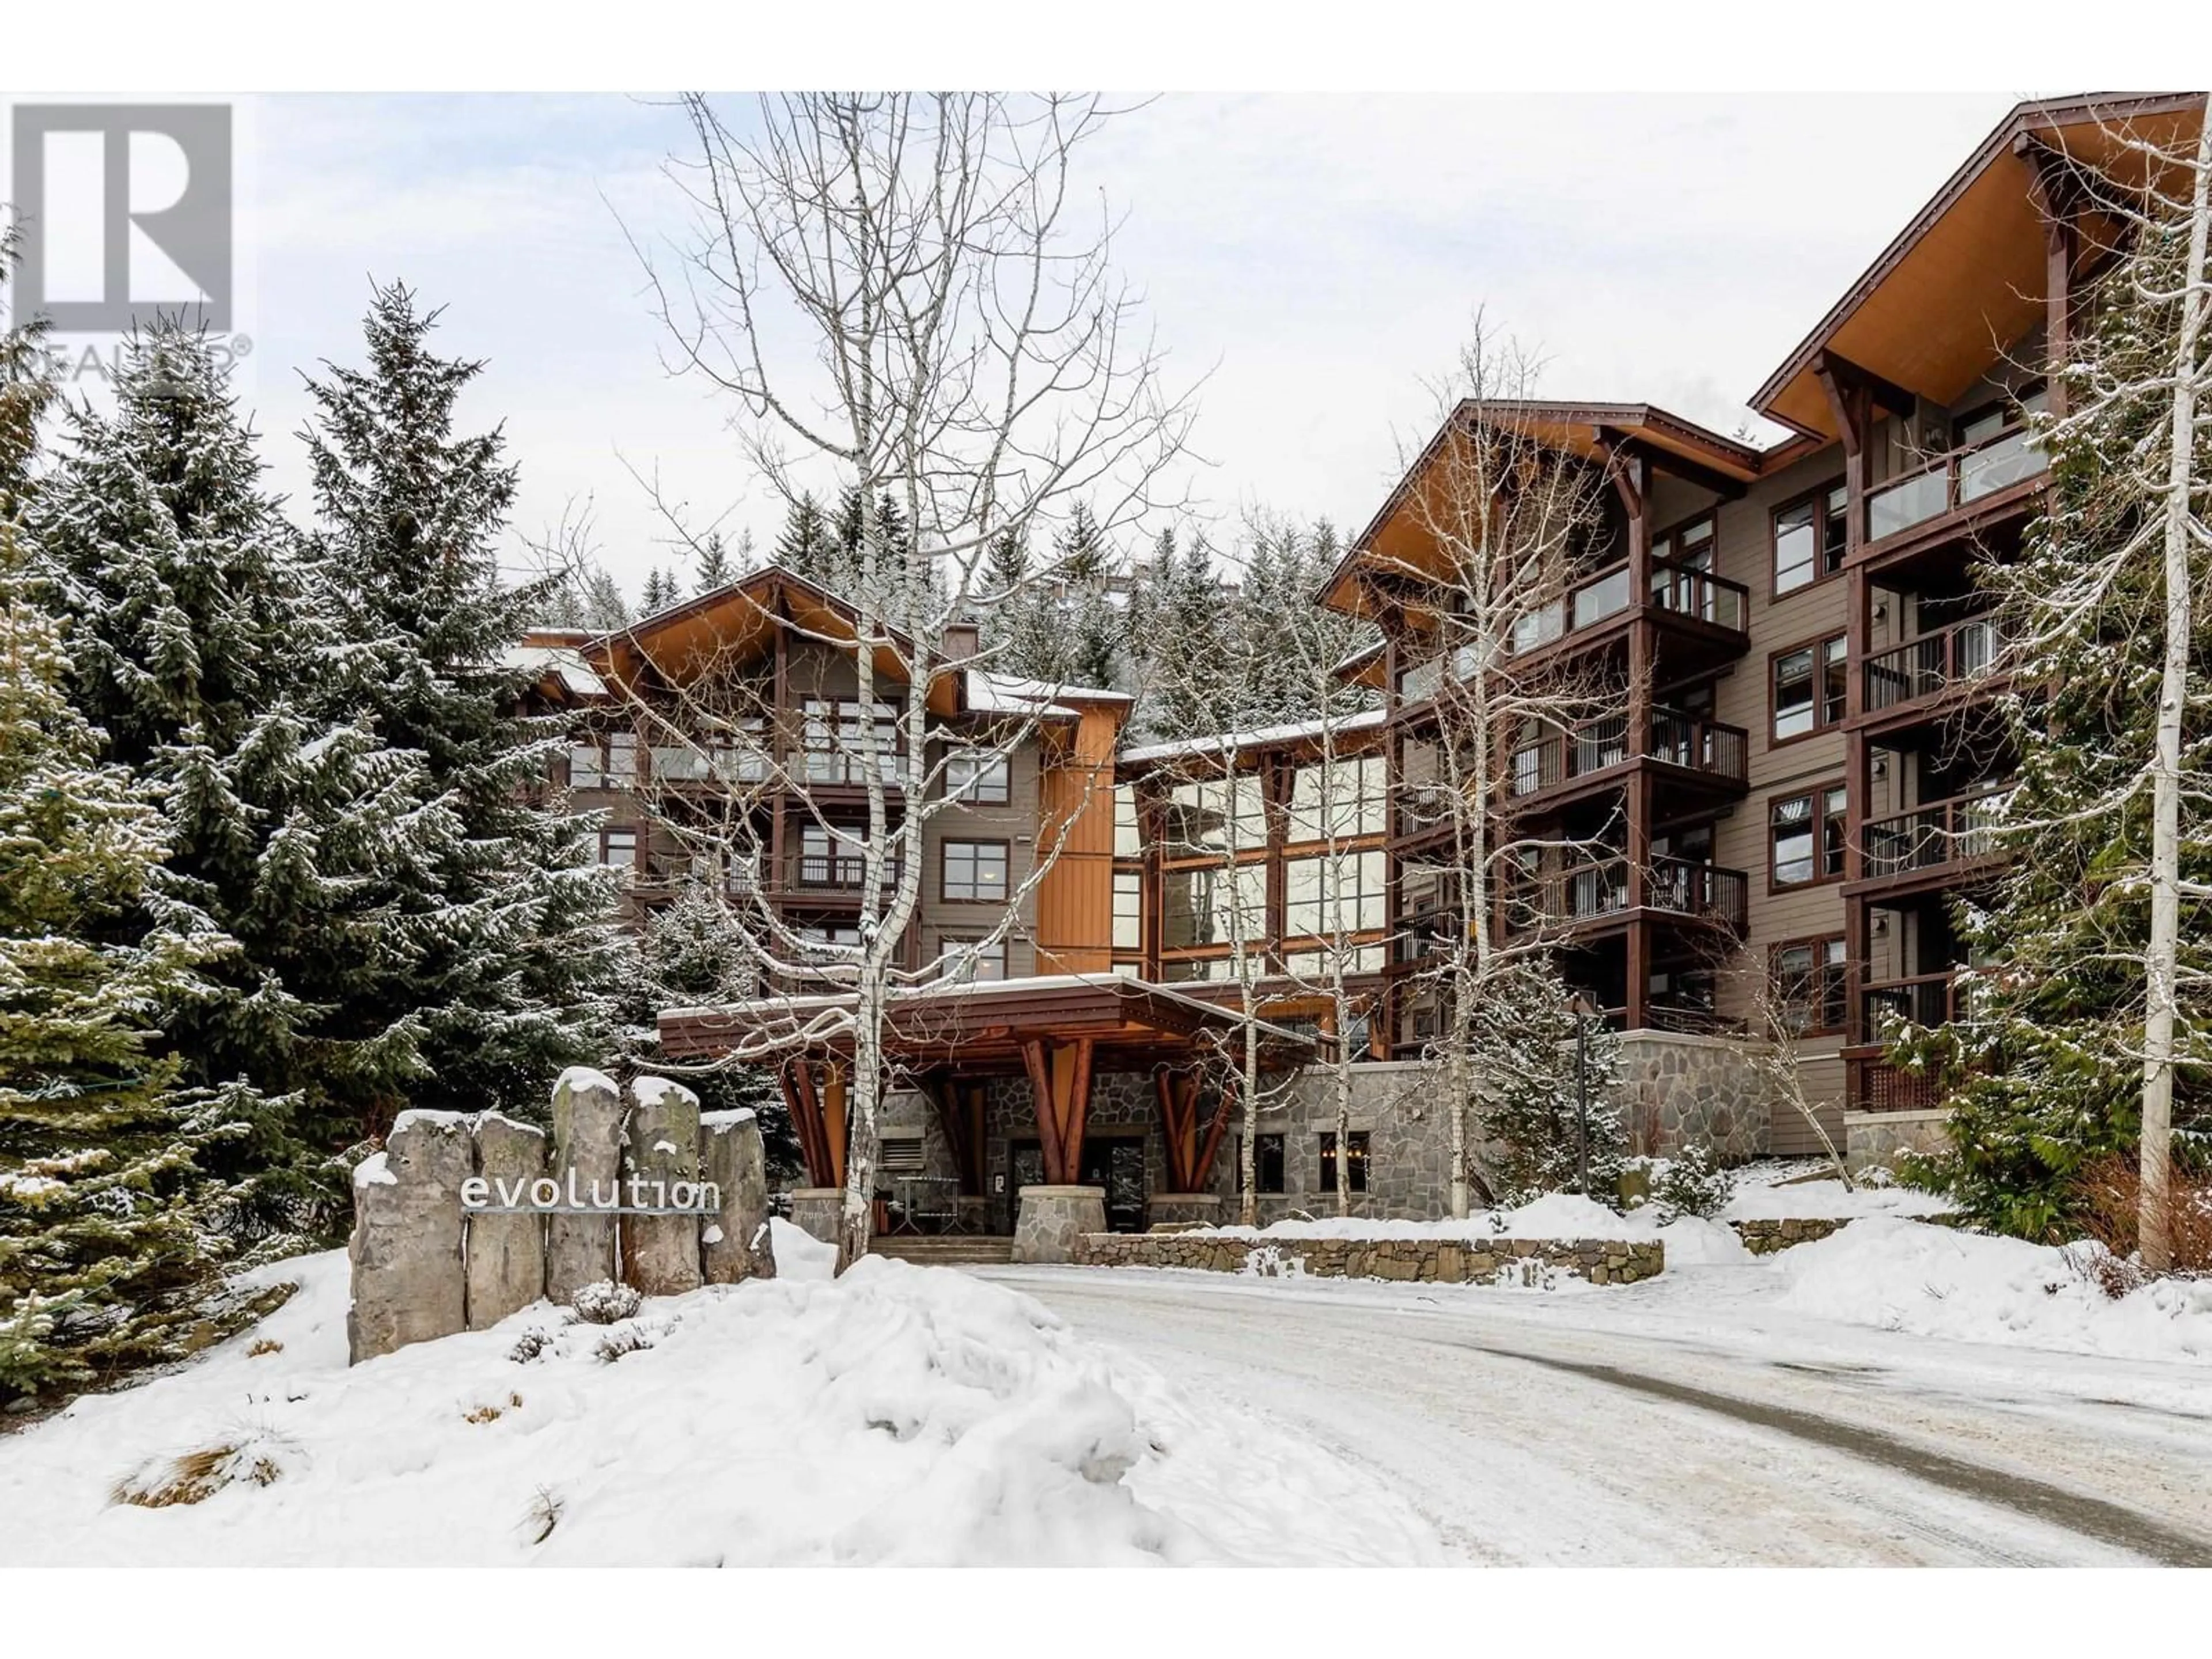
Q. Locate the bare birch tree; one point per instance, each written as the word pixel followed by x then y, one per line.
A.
pixel 1509 525
pixel 908 296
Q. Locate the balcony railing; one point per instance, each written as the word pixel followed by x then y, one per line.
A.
pixel 1597 745
pixel 1934 663
pixel 1952 481
pixel 1591 891
pixel 1689 591
pixel 1933 837
pixel 1684 1017
pixel 839 872
pixel 1925 999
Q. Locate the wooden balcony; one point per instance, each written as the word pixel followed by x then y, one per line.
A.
pixel 838 875
pixel 1939 840
pixel 1598 893
pixel 1704 750
pixel 1925 1000
pixel 1954 494
pixel 1933 672
pixel 1678 595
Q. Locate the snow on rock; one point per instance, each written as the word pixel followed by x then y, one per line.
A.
pixel 651 1091
pixel 1694 1242
pixel 1900 1275
pixel 424 1117
pixel 728 1120
pixel 374 1170
pixel 584 1077
pixel 799 1254
pixel 1555 1215
pixel 899 1414
pixel 515 1123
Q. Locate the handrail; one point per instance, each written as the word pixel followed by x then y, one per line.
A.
pixel 1931 663
pixel 839 872
pixel 1597 745
pixel 1923 999
pixel 1599 888
pixel 1957 478
pixel 1934 834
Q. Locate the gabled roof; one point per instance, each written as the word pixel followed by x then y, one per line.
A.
pixel 1671 442
pixel 1966 276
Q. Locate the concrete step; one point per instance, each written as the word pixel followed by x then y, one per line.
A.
pixel 958 1251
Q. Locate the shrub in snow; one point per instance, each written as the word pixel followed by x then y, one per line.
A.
pixel 1691 1183
pixel 607 1303
pixel 528 1346
pixel 614 1343
pixel 197 1476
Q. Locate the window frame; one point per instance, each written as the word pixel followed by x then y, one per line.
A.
pixel 944 893
pixel 983 767
pixel 1818 648
pixel 635 863
pixel 1817 498
pixel 1261 1148
pixel 949 945
pixel 1824 997
pixel 1818 818
pixel 1361 1151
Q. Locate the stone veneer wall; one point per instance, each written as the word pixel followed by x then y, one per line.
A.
pixel 1677 1088
pixel 1424 1260
pixel 1765 1238
pixel 1872 1138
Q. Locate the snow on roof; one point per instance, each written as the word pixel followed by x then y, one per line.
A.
pixel 562 661
pixel 1216 742
pixel 1008 694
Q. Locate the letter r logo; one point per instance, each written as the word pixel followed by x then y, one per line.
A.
pixel 125 211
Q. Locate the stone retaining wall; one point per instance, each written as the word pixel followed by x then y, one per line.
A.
pixel 1764 1238
pixel 1424 1261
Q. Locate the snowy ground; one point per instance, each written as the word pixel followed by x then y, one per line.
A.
pixel 901 1415
pixel 1898 1393
pixel 1812 1408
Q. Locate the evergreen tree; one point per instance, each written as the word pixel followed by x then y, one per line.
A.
pixel 506 915
pixel 1090 625
pixel 718 566
pixel 806 547
pixel 109 1220
pixel 2044 1067
pixel 693 953
pixel 199 649
pixel 1181 619
pixel 663 588
pixel 1530 1087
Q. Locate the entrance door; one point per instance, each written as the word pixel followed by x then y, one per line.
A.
pixel 1116 1164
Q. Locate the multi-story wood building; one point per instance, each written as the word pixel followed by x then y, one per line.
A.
pixel 1790 790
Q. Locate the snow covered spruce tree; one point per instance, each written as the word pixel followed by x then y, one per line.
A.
pixel 110 1218
pixel 903 297
pixel 511 954
pixel 198 647
pixel 2087 1037
pixel 1546 1080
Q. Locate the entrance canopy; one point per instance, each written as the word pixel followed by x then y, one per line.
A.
pixel 1059 1031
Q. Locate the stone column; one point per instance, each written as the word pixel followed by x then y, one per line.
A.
pixel 579 1249
pixel 409 1282
pixel 814 1211
pixel 735 1242
pixel 660 1154
pixel 1051 1218
pixel 506 1253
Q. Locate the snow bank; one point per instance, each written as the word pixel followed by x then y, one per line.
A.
pixel 1555 1215
pixel 1764 1200
pixel 898 1415
pixel 1901 1275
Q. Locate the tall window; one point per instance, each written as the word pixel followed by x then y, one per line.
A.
pixel 1129 910
pixel 1267 1165
pixel 984 780
pixel 1811 688
pixel 618 848
pixel 1689 544
pixel 1319 900
pixel 990 959
pixel 1355 1172
pixel 1216 816
pixel 1211 905
pixel 974 871
pixel 1810 537
pixel 1355 803
pixel 587 765
pixel 1809 982
pixel 1807 832
pixel 833 730
pixel 1128 833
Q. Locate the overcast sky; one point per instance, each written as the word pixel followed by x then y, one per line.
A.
pixel 1317 256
